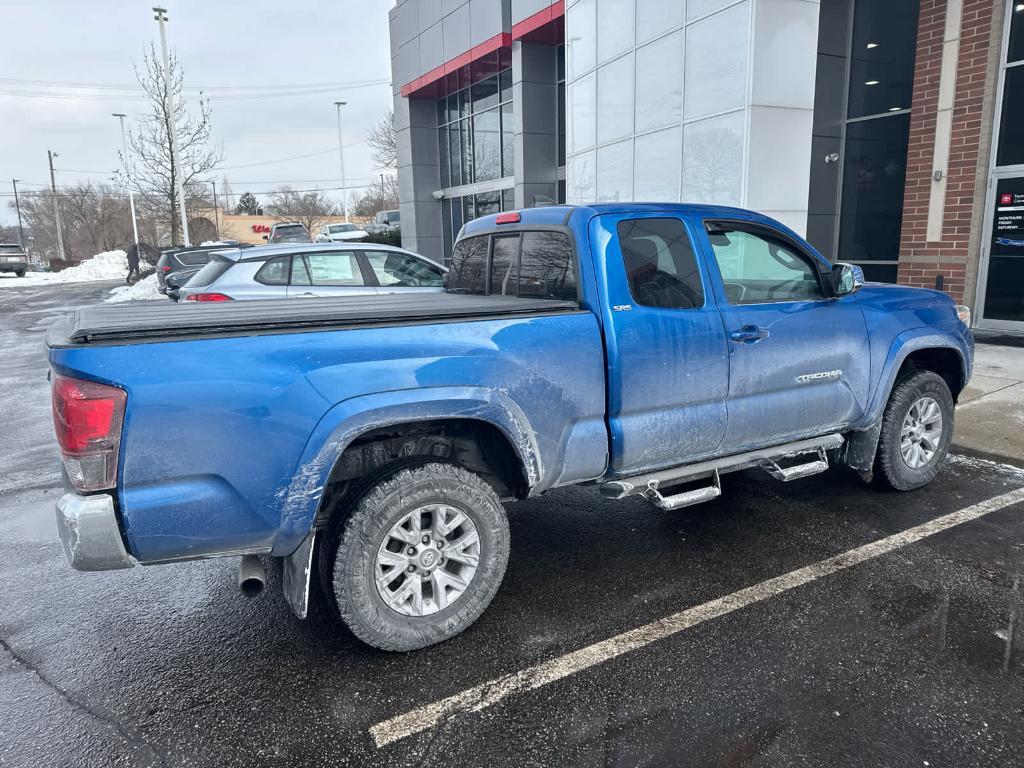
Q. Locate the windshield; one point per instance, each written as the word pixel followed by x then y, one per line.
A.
pixel 336 228
pixel 10 249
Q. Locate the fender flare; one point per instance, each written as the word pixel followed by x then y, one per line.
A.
pixel 348 419
pixel 862 444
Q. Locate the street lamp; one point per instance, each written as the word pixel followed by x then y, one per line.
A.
pixel 128 179
pixel 161 17
pixel 341 155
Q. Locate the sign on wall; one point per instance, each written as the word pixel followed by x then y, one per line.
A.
pixel 1008 218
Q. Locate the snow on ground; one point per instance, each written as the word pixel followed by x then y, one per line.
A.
pixel 144 290
pixel 109 265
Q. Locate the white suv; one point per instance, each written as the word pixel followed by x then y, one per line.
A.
pixel 339 233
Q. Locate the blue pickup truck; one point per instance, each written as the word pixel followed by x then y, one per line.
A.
pixel 368 443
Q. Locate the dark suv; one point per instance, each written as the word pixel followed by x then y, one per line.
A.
pixel 13 259
pixel 177 265
pixel 288 232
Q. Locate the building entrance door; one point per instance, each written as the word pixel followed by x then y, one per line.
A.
pixel 1001 283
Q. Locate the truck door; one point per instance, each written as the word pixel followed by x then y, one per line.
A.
pixel 668 365
pixel 799 359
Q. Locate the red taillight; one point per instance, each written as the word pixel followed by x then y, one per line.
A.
pixel 165 268
pixel 87 417
pixel 207 297
pixel 512 217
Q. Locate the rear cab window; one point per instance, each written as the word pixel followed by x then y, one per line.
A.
pixel 538 264
pixel 193 258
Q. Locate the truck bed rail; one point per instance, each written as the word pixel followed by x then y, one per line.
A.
pixel 155 322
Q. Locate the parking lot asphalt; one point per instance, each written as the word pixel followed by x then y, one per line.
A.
pixel 911 657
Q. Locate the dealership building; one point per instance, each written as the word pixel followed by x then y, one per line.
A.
pixel 889 132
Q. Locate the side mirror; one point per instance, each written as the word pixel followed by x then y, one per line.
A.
pixel 846 278
pixel 266 237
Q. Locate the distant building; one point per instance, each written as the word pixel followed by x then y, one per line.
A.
pixel 886 131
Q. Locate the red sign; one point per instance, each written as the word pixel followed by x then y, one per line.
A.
pixel 1005 199
pixel 260 228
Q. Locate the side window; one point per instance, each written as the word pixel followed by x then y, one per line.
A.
pixel 660 265
pixel 402 270
pixel 274 272
pixel 547 266
pixel 505 265
pixel 300 275
pixel 334 269
pixel 758 268
pixel 468 269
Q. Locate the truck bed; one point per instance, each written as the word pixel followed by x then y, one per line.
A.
pixel 120 323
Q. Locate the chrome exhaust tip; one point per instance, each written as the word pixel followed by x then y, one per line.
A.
pixel 252 576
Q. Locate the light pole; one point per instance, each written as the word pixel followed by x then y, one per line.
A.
pixel 341 156
pixel 50 154
pixel 17 206
pixel 128 179
pixel 161 17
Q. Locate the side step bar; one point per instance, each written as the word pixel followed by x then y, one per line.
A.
pixel 765 458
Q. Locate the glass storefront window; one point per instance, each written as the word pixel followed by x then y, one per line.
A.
pixel 1016 50
pixel 874 172
pixel 1011 137
pixel 475 127
pixel 882 57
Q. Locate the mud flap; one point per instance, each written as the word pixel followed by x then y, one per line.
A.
pixel 296 572
pixel 858 452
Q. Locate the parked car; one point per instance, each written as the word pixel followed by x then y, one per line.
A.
pixel 13 259
pixel 288 233
pixel 339 233
pixel 646 348
pixel 280 271
pixel 384 221
pixel 177 265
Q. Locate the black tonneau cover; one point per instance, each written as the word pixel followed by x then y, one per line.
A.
pixel 153 321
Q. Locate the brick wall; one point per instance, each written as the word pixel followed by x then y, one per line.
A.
pixel 954 256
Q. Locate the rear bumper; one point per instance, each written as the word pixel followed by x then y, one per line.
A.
pixel 89 533
pixel 13 266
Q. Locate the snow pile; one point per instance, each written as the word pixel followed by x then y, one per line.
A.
pixel 144 290
pixel 109 265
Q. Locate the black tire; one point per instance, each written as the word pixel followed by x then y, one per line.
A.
pixel 351 546
pixel 890 466
pixel 20 274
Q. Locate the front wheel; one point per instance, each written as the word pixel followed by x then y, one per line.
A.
pixel 419 557
pixel 917 428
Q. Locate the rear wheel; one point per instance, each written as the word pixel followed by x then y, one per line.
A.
pixel 917 428
pixel 20 274
pixel 418 558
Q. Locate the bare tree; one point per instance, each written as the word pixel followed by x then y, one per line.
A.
pixel 378 197
pixel 151 168
pixel 311 209
pixel 382 141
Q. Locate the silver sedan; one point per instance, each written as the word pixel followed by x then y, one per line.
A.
pixel 307 269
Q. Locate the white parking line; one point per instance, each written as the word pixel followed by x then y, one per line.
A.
pixel 493 691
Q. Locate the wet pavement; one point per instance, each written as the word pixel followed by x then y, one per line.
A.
pixel 913 658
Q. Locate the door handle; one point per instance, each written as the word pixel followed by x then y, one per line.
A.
pixel 749 334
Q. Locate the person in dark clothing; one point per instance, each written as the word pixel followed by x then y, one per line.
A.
pixel 133 262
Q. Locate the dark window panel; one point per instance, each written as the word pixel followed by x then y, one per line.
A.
pixel 561 63
pixel 508 199
pixel 561 123
pixel 1016 51
pixel 1004 295
pixel 468 270
pixel 880 273
pixel 659 262
pixel 1011 134
pixel 455 154
pixel 453 106
pixel 442 148
pixel 468 211
pixel 561 192
pixel 487 145
pixel 485 94
pixel 465 105
pixel 507 141
pixel 488 203
pixel 882 57
pixel 874 171
pixel 505 82
pixel 442 110
pixel 447 233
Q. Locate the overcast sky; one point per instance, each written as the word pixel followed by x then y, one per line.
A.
pixel 219 43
